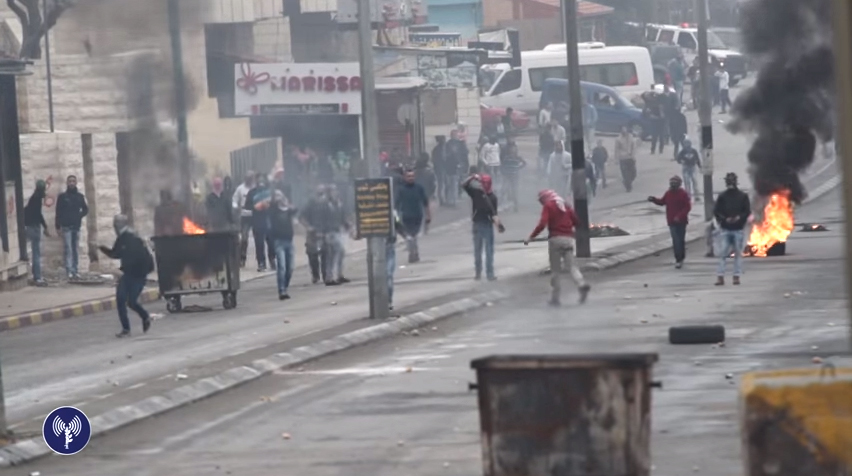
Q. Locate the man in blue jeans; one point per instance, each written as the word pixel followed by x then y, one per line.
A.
pixel 281 217
pixel 731 211
pixel 412 204
pixel 136 264
pixel 71 208
pixel 36 226
pixel 484 204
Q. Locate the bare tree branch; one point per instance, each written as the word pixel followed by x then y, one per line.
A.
pixel 34 25
pixel 19 12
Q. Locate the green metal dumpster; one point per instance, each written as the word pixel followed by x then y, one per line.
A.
pixel 565 415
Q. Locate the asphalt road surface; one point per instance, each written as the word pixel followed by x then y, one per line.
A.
pixel 402 406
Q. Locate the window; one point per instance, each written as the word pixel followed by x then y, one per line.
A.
pixel 539 75
pixel 603 100
pixel 687 41
pixel 666 36
pixel 510 82
pixel 612 74
pixel 651 34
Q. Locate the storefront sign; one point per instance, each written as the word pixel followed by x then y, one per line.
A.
pixel 435 40
pixel 374 208
pixel 297 88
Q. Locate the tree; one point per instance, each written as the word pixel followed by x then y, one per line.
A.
pixel 35 23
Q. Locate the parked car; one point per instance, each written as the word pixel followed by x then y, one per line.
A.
pixel 614 110
pixel 491 116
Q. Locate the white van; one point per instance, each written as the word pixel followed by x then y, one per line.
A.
pixel 627 69
pixel 686 36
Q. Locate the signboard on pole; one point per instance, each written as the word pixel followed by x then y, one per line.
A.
pixel 262 89
pixel 374 208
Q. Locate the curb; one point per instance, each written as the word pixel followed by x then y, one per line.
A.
pixel 31 449
pixel 95 306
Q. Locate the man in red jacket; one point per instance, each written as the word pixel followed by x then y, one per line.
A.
pixel 678 205
pixel 560 220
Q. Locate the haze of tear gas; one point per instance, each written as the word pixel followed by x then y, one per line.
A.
pixel 138 30
pixel 791 103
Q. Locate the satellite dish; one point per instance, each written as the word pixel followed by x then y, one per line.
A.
pixel 406 112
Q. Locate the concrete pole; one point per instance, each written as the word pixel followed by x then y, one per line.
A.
pixel 180 101
pixel 47 66
pixel 705 109
pixel 843 77
pixel 578 152
pixel 376 258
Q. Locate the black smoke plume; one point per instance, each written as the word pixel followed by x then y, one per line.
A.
pixel 790 105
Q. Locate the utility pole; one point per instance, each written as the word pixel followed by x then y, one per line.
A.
pixel 47 67
pixel 578 152
pixel 705 110
pixel 376 259
pixel 842 14
pixel 180 101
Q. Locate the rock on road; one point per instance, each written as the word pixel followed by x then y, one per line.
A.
pixel 401 406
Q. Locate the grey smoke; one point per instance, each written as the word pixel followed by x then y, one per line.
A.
pixel 791 102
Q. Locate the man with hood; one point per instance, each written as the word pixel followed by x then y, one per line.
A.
pixel 559 168
pixel 238 203
pixel 732 210
pixel 258 201
pixel 412 204
pixel 690 160
pixel 136 264
pixel 36 226
pixel 560 220
pixel 484 217
pixel 678 205
pixel 71 208
pixel 653 111
pixel 218 205
pixel 281 217
pixel 439 163
pixel 312 217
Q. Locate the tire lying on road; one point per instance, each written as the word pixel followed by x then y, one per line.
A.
pixel 696 334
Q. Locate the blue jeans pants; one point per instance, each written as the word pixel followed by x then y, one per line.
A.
pixel 390 257
pixel 336 252
pixel 127 295
pixel 284 258
pixel 34 236
pixel 689 183
pixel 71 239
pixel 678 233
pixel 483 238
pixel 731 239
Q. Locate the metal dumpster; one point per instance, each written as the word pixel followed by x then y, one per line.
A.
pixel 198 264
pixel 565 415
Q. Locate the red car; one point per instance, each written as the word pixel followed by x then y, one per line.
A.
pixel 491 116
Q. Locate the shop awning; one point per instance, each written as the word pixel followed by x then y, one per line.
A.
pixel 585 9
pixel 399 83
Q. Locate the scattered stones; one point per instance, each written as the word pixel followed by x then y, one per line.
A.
pixel 333 303
pixel 729 376
pixel 400 443
pixel 408 370
pixel 286 321
pixel 129 356
pixel 434 328
pixel 817 360
pixel 446 464
pixel 267 399
pixel 645 285
pixel 115 383
pixel 677 295
pixel 814 347
pixel 830 324
pixel 415 333
pixel 489 304
pixel 787 295
pixel 695 469
pixel 111 362
pixel 643 321
pixel 181 377
pixel 35 473
pixel 300 369
pixel 698 364
pixel 721 344
pixel 285 436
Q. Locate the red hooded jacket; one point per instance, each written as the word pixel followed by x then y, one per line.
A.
pixel 678 205
pixel 558 222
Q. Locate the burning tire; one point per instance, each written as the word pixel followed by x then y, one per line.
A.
pixel 680 335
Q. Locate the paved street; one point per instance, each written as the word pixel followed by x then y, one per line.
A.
pixel 401 406
pixel 77 361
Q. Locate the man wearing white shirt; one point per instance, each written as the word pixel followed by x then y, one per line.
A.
pixel 489 155
pixel 559 170
pixel 238 202
pixel 724 89
pixel 557 132
pixel 544 117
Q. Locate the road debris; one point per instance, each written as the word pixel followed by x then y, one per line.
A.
pixel 814 347
pixel 434 328
pixel 129 356
pixel 787 295
pixel 643 321
pixel 729 376
pixel 266 399
pixel 415 333
pixel 333 303
pixel 285 436
pixel 817 360
pixel 181 377
pixel 286 321
pixel 446 464
pixel 408 370
pixel 400 443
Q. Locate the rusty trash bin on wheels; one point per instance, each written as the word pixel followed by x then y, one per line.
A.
pixel 565 415
pixel 202 263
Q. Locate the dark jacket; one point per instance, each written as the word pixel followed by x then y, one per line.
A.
pixel 70 209
pixel 426 178
pixel 136 260
pixel 732 203
pixel 456 156
pixel 599 155
pixel 689 158
pixel 219 213
pixel 281 223
pixel 33 215
pixel 258 200
pixel 677 126
pixel 484 206
pixel 439 158
pixel 411 201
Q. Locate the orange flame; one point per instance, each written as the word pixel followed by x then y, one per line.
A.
pixel 776 226
pixel 190 228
